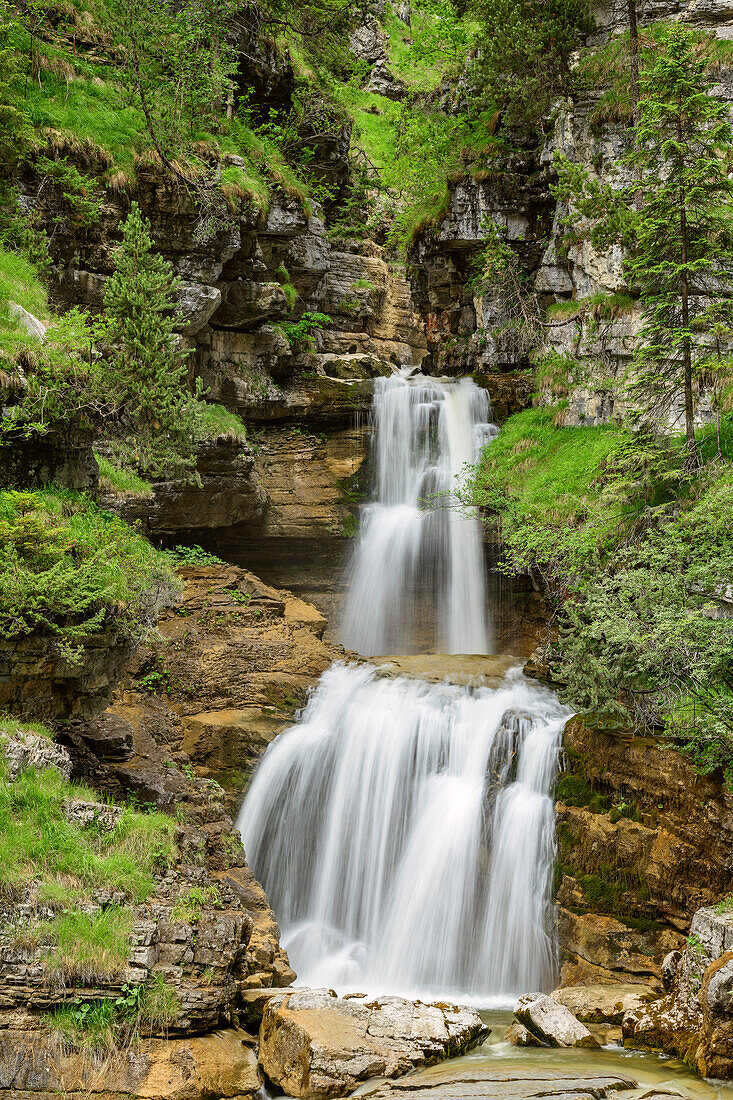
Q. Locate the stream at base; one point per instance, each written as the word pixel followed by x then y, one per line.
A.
pixel 651 1071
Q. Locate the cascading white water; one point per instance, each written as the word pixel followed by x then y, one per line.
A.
pixel 404 832
pixel 404 829
pixel 416 548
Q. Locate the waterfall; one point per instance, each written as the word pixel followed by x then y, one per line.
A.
pixel 404 828
pixel 404 832
pixel 417 576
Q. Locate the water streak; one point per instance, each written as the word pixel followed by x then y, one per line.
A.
pixel 404 832
pixel 417 577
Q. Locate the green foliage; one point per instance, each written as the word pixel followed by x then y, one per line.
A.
pixel 101 1028
pixel 645 640
pixel 725 905
pixel 190 905
pixel 191 555
pixel 87 946
pixel 16 133
pixel 39 845
pixel 80 206
pixel 147 370
pixel 178 65
pixel 299 334
pixel 525 61
pixel 69 569
pixel 542 480
pixel 112 478
pixel 10 725
pixel 216 422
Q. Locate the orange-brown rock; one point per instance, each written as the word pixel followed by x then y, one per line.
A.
pixel 221 1064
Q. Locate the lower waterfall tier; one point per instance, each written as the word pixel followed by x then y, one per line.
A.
pixel 404 832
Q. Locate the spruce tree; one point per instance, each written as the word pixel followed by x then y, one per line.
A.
pixel 675 222
pixel 147 368
pixel 683 241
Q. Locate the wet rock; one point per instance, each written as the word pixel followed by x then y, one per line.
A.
pixel 695 1019
pixel 518 1036
pixel 552 1022
pixel 603 1004
pixel 670 966
pixel 316 1045
pixel 28 750
pixel 504 1084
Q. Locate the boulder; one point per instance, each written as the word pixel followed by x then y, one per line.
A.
pixel 552 1022
pixel 28 750
pixel 315 1044
pixel 603 1004
pixel 30 324
pixel 518 1036
pixel 196 303
pixel 717 989
pixel 670 967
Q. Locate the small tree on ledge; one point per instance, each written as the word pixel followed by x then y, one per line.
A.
pixel 147 369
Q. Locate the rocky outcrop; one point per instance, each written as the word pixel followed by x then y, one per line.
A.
pixel 316 1045
pixel 227 491
pixel 552 1022
pixel 220 1064
pixel 695 1020
pixel 643 841
pixel 230 665
pixel 66 460
pixel 38 680
pixel 22 750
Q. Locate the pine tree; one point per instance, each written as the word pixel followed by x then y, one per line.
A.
pixel 147 369
pixel 683 247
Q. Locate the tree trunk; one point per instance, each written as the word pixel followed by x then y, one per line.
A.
pixel 634 57
pixel 686 344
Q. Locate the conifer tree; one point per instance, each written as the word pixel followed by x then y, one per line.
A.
pixel 679 236
pixel 683 233
pixel 147 369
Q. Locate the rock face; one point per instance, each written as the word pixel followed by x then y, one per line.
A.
pixel 643 841
pixel 695 1020
pixel 314 1044
pixel 552 1023
pixel 220 1064
pixel 37 681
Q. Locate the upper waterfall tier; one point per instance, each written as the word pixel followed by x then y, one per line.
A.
pixel 417 575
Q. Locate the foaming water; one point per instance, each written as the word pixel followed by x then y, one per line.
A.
pixel 419 557
pixel 404 833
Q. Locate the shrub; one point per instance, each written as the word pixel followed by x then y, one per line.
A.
pixel 69 569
